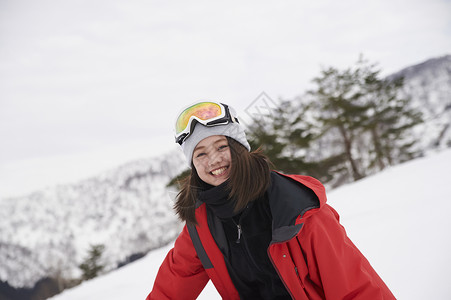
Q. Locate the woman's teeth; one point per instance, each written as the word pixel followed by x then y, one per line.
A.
pixel 218 171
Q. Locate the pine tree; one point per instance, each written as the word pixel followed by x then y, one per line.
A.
pixel 389 121
pixel 91 266
pixel 363 120
pixel 284 136
pixel 340 113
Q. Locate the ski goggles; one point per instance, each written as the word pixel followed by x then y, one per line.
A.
pixel 205 113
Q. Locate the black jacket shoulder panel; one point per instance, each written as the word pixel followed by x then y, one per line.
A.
pixel 288 199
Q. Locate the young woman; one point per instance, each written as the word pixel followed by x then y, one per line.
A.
pixel 255 233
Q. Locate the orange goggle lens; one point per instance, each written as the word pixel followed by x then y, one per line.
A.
pixel 203 111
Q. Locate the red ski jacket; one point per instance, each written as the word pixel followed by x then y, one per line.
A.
pixel 310 251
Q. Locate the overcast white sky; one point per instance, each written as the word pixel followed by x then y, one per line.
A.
pixel 109 76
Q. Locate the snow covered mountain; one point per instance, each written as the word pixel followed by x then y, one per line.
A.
pixel 429 86
pixel 48 233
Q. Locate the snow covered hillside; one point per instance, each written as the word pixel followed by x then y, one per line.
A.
pixel 429 86
pixel 398 218
pixel 49 232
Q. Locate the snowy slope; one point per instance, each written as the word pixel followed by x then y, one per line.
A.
pixel 398 219
pixel 428 84
pixel 127 209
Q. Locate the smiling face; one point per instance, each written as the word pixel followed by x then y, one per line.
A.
pixel 212 159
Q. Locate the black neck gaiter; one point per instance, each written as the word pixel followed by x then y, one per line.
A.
pixel 218 200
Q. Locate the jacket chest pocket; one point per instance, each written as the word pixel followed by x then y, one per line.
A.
pixel 301 281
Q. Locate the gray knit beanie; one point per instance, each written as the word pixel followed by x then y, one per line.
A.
pixel 200 132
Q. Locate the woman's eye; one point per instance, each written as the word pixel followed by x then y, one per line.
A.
pixel 200 154
pixel 222 147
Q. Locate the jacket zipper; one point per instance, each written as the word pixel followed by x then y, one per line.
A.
pixel 240 234
pixel 238 240
pixel 240 231
pixel 238 225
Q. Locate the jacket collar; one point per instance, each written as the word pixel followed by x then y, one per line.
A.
pixel 290 197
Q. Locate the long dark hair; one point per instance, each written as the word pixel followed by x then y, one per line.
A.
pixel 248 180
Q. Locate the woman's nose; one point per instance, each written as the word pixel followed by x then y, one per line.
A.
pixel 215 159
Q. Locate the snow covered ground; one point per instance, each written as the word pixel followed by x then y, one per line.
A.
pixel 398 218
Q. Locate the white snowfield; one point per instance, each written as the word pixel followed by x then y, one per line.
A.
pixel 398 218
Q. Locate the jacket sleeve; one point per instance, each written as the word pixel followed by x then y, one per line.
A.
pixel 181 275
pixel 334 262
